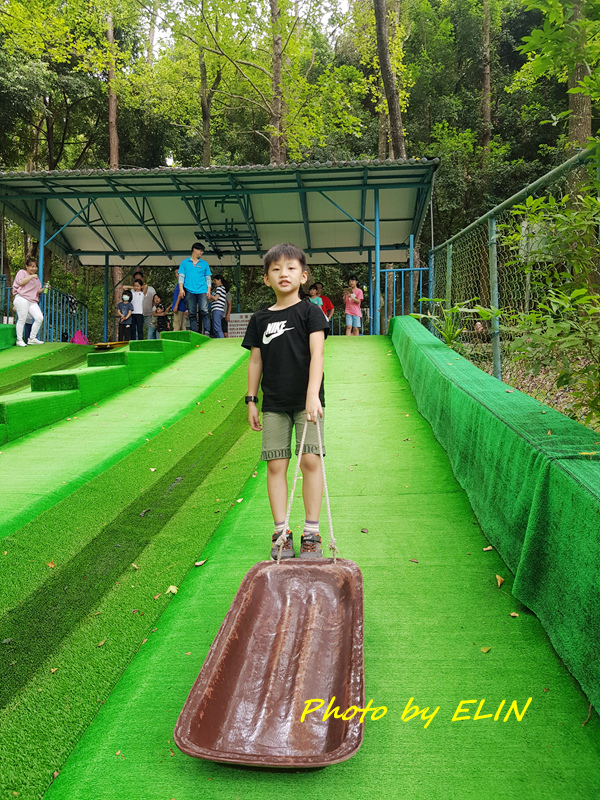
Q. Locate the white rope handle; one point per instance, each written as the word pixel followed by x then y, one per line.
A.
pixel 283 536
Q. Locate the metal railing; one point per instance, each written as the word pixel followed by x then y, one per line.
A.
pixel 476 263
pixel 63 313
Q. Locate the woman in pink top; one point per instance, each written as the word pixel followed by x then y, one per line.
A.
pixel 26 289
pixel 353 297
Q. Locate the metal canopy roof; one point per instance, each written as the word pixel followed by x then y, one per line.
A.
pixel 154 215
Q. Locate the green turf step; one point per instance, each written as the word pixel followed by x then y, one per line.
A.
pixel 139 364
pixel 8 336
pixel 27 411
pixel 93 383
pixel 172 349
pixel 185 336
pixel 18 364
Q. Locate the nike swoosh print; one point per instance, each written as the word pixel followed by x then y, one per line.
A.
pixel 267 337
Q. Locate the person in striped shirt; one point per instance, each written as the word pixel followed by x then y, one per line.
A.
pixel 219 305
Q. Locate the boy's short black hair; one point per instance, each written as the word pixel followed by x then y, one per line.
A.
pixel 313 286
pixel 197 246
pixel 352 278
pixel 279 251
pixel 318 283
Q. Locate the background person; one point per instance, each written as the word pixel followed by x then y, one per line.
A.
pixel 178 306
pixel 148 304
pixel 194 285
pixel 219 305
pixel 125 310
pixel 328 308
pixel 137 316
pixel 26 289
pixel 353 296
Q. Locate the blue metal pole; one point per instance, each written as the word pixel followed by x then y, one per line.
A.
pixel 106 298
pixel 431 276
pixel 377 265
pixel 412 266
pixel 371 293
pixel 42 242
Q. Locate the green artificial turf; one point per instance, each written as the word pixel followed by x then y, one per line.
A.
pixel 18 364
pixel 532 476
pixel 431 603
pixel 53 617
pixel 45 466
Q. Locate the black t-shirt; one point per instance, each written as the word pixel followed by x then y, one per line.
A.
pixel 283 338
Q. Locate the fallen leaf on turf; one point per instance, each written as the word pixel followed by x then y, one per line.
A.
pixel 53 669
pixel 96 614
pixel 199 563
pixel 144 641
pixel 189 654
pixel 364 530
pixel 210 434
pixel 486 549
pixel 101 643
pixel 135 566
pixel 6 641
pixel 55 774
pixel 254 474
pixel 171 590
pixel 135 611
pixel 240 500
pixel 499 580
pixel 146 510
pixel 485 649
pixel 510 391
pixel 414 560
pixel 549 433
pixel 152 469
pixel 156 596
pixel 51 564
pixel 118 753
pixel 513 614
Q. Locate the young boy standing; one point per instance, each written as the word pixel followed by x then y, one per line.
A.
pixel 287 344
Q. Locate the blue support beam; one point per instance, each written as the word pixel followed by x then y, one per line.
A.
pixel 106 260
pixel 377 264
pixel 42 241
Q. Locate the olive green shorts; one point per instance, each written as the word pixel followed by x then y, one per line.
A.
pixel 277 434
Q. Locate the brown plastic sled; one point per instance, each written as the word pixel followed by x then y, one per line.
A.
pixel 294 633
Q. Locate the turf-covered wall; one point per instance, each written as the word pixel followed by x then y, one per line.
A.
pixel 533 478
pixel 8 336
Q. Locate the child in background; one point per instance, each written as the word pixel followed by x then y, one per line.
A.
pixel 287 343
pixel 159 315
pixel 178 306
pixel 125 310
pixel 137 315
pixel 219 306
pixel 352 297
pixel 314 296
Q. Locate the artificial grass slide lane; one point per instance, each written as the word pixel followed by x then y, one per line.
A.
pixel 431 603
pixel 18 364
pixel 82 587
pixel 38 470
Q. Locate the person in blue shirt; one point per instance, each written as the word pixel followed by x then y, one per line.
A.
pixel 194 284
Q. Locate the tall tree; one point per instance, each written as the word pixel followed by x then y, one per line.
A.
pixel 389 79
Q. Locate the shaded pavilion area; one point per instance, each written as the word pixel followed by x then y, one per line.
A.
pixel 338 212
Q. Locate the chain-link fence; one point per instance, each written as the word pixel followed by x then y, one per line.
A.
pixel 478 266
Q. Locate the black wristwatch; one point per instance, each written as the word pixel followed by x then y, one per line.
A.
pixel 250 398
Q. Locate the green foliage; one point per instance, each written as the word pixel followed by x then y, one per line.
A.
pixel 556 242
pixel 448 321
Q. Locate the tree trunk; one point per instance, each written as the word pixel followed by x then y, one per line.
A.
pixel 113 135
pixel 275 156
pixel 205 111
pixel 383 129
pixel 389 79
pixel 486 100
pixel 152 33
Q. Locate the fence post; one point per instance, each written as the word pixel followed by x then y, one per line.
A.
pixel 448 275
pixel 493 257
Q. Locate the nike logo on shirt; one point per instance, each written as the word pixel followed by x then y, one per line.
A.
pixel 274 329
